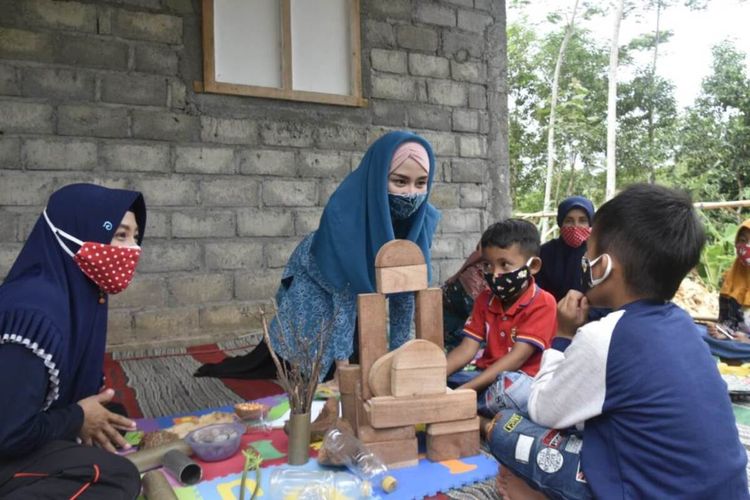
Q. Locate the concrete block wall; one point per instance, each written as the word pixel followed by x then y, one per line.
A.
pixel 102 91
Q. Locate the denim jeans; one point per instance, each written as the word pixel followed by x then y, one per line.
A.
pixel 547 459
pixel 509 391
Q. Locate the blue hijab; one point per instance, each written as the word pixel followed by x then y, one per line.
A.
pixel 356 221
pixel 572 202
pixel 49 305
pixel 561 263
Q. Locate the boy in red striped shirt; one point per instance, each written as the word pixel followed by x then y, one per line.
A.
pixel 514 318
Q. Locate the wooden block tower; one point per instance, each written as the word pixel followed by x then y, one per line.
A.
pixel 389 392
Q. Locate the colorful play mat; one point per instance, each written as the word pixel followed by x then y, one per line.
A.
pixel 221 480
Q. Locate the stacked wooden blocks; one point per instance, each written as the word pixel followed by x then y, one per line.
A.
pixel 389 392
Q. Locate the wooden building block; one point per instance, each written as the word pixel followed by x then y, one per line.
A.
pixel 452 446
pixel 348 376
pixel 428 315
pixel 440 428
pixel 349 409
pixel 368 434
pixel 390 411
pixel 418 369
pixel 348 379
pixel 398 253
pixel 401 279
pixel 452 440
pixel 380 375
pixel 395 454
pixel 371 317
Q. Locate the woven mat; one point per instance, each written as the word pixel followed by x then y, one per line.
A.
pixel 155 382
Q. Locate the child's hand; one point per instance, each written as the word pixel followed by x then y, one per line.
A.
pixel 572 312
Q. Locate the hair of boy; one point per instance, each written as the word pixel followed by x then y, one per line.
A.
pixel 655 234
pixel 505 233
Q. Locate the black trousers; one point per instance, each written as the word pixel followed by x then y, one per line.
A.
pixel 66 470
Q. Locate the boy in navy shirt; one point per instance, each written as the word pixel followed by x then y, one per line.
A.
pixel 640 383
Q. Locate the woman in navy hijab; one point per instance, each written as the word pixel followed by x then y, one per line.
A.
pixel 561 257
pixel 384 198
pixel 56 436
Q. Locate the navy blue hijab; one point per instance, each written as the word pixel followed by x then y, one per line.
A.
pixel 48 304
pixel 561 263
pixel 356 221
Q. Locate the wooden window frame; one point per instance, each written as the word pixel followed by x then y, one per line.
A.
pixel 286 91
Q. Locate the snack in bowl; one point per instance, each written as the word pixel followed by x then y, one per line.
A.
pixel 157 438
pixel 216 442
pixel 251 411
pixel 184 425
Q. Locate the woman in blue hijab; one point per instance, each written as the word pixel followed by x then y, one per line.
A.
pixel 53 326
pixel 384 198
pixel 561 257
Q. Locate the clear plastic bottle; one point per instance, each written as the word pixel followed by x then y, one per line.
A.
pixel 343 447
pixel 291 483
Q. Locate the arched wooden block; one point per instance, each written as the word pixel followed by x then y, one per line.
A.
pixel 398 253
pixel 380 375
pixel 418 369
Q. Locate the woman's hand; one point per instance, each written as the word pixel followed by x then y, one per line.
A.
pixel 100 426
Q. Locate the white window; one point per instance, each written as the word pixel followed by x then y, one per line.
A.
pixel 301 50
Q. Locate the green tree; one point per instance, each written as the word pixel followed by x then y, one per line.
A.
pixel 581 105
pixel 648 123
pixel 714 152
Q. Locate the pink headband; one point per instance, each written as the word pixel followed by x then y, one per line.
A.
pixel 412 150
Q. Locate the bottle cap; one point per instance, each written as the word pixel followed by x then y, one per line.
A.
pixel 388 484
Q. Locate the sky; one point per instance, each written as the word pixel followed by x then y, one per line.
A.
pixel 686 58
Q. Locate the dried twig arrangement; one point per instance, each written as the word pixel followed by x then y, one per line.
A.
pixel 299 371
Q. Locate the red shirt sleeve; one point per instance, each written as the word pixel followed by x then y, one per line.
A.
pixel 540 322
pixel 475 326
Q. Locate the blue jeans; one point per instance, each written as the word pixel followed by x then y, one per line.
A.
pixel 509 391
pixel 547 459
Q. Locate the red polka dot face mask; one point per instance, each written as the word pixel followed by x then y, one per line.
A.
pixel 574 236
pixel 110 267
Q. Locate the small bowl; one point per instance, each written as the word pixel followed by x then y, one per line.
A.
pixel 250 412
pixel 216 442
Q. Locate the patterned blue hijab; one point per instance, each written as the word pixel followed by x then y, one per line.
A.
pixel 356 221
pixel 49 305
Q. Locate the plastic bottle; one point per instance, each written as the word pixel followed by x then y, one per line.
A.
pixel 345 448
pixel 303 484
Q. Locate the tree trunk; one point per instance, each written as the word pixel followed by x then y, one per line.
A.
pixel 551 128
pixel 571 181
pixel 612 102
pixel 652 91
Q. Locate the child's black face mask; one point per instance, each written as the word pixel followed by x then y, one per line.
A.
pixel 507 285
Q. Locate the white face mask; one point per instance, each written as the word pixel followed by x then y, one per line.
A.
pixel 587 277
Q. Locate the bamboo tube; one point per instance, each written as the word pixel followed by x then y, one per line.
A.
pixel 156 487
pixel 151 458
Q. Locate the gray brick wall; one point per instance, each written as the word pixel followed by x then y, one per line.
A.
pixel 102 91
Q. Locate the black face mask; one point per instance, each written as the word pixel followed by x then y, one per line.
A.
pixel 509 284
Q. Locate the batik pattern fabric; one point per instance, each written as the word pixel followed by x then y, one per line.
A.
pixel 306 302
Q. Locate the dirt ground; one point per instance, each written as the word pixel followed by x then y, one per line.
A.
pixel 695 298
